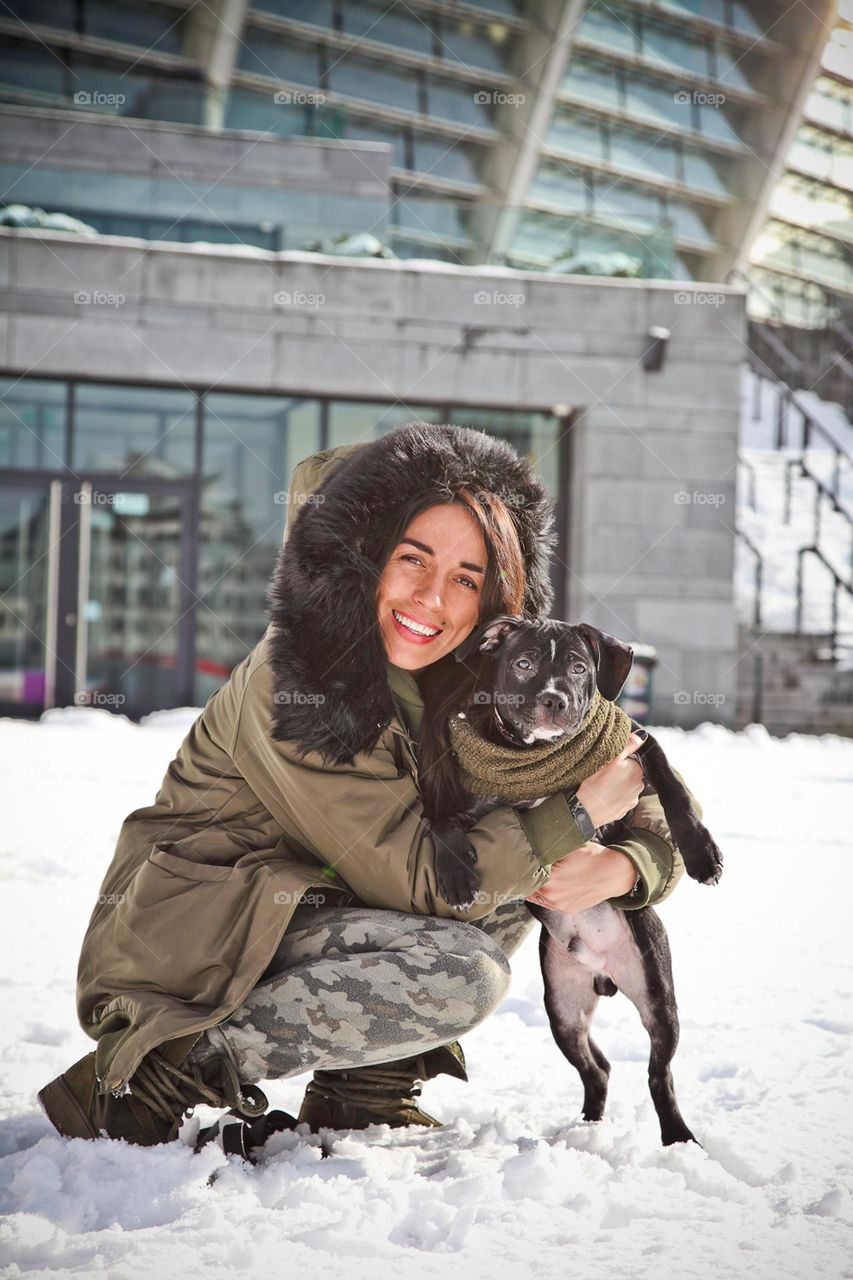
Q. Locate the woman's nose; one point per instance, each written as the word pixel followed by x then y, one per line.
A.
pixel 428 593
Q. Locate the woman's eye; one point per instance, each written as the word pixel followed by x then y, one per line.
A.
pixel 471 584
pixel 410 556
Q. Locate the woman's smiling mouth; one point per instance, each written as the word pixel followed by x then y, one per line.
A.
pixel 414 630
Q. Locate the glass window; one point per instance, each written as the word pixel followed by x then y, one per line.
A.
pixel 463 104
pixel 643 153
pixel 830 108
pixel 32 423
pixel 29 69
pixel 743 20
pixel 446 158
pixel 53 13
pixel 542 237
pixel 510 8
pixel 146 26
pixel 352 421
pixel 688 224
pixel 393 24
pixel 733 67
pixel 716 124
pixel 475 45
pixel 372 131
pixel 608 25
pixel 705 173
pixel 579 134
pixel 592 81
pixel 661 103
pixel 675 49
pixel 136 431
pixel 712 10
pixel 113 91
pixel 373 83
pixel 559 186
pixel 262 54
pixel 427 216
pixel 251 445
pixel 620 199
pixel 317 11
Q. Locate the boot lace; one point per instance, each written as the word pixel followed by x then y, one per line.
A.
pixel 168 1090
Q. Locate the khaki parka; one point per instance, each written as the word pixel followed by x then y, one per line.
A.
pixel 204 881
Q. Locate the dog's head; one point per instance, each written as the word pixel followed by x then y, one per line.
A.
pixel 545 673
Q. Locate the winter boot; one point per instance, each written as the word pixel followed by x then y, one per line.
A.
pixel 168 1082
pixel 386 1093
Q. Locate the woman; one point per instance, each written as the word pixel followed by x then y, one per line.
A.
pixel 275 910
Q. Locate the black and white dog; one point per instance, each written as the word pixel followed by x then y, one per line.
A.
pixel 544 677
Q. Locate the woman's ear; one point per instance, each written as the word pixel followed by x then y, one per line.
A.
pixel 487 637
pixel 613 660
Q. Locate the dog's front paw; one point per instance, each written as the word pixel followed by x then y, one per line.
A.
pixel 703 860
pixel 456 876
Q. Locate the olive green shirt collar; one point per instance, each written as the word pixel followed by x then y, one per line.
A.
pixel 407 695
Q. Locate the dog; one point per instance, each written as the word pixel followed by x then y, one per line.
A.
pixel 544 679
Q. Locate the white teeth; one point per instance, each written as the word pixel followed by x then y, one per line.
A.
pixel 414 626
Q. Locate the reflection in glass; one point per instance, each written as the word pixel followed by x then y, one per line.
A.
pixel 251 445
pixel 32 423
pixel 24 523
pixel 134 431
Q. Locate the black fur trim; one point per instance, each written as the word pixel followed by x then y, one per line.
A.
pixel 328 659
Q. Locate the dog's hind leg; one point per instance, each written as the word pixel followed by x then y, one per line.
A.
pixel 641 967
pixel 570 999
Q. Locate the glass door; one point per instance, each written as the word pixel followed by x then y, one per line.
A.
pixel 134 611
pixel 30 520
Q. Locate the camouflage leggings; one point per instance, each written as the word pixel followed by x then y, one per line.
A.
pixel 353 986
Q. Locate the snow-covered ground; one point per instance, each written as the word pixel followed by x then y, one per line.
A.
pixel 515 1185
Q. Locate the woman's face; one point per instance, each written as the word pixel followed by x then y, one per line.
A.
pixel 433 578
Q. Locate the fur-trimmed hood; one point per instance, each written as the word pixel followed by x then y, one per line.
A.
pixel 328 659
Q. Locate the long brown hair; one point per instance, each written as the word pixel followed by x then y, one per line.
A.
pixel 447 685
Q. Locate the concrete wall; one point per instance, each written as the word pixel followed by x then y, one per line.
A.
pixel 653 479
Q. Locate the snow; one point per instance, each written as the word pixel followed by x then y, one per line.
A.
pixel 515 1184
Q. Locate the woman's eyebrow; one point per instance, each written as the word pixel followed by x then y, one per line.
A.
pixel 422 546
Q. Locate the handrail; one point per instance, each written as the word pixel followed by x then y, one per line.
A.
pixel 759 573
pixel 838 584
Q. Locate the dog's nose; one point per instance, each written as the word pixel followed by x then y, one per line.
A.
pixel 554 701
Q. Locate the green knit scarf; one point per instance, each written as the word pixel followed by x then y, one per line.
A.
pixel 526 773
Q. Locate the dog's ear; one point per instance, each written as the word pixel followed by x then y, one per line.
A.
pixel 613 659
pixel 487 637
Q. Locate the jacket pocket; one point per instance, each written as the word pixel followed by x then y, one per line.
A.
pixel 189 869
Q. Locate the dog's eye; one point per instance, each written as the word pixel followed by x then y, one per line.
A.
pixel 578 669
pixel 523 663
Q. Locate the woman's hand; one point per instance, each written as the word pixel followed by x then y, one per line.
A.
pixel 586 876
pixel 614 789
